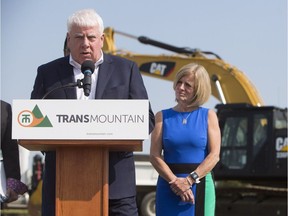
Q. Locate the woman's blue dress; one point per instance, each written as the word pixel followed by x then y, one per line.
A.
pixel 185 144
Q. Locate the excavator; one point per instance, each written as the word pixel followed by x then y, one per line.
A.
pixel 251 177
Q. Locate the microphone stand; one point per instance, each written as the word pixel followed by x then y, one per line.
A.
pixel 79 84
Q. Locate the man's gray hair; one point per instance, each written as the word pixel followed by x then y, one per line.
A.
pixel 85 18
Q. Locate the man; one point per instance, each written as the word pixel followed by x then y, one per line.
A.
pixel 9 158
pixel 113 78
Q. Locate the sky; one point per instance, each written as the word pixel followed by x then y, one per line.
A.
pixel 250 35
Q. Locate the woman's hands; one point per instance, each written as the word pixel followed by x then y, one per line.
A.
pixel 182 187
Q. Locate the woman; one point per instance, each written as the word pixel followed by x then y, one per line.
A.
pixel 190 139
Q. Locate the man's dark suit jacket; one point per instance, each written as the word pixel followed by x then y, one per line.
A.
pixel 9 147
pixel 118 78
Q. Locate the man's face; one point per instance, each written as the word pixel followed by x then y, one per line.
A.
pixel 85 43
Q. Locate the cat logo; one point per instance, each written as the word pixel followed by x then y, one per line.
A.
pixel 162 68
pixel 281 147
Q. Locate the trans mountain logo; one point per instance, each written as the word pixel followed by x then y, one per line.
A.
pixel 26 118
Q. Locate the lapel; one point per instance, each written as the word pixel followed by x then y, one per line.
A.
pixel 104 74
pixel 66 75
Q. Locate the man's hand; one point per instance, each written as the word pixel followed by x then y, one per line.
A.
pixel 12 195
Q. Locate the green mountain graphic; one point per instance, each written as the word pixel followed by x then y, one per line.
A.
pixel 45 123
pixel 37 113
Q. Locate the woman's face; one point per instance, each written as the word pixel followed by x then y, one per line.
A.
pixel 184 89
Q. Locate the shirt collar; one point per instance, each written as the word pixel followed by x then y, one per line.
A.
pixel 78 66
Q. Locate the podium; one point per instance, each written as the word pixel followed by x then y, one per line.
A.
pixel 82 137
pixel 82 171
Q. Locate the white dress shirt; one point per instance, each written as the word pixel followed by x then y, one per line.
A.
pixel 79 75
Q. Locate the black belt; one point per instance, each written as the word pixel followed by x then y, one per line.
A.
pixel 182 168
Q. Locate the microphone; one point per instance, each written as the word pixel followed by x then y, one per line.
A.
pixel 87 69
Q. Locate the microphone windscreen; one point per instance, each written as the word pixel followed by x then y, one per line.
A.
pixel 88 65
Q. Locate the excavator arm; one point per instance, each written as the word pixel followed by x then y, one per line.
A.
pixel 229 85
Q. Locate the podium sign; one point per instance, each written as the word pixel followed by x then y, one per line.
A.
pixel 82 132
pixel 80 119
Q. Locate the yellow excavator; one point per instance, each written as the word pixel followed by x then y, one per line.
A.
pixel 251 177
pixel 225 76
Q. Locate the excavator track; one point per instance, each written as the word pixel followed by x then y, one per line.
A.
pixel 251 200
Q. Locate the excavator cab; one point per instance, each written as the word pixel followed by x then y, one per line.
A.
pixel 254 143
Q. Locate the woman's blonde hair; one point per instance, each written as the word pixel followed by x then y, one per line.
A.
pixel 202 84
